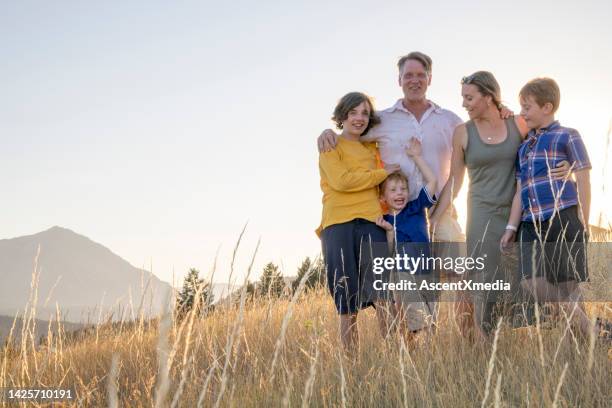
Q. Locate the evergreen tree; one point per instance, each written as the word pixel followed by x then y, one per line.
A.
pixel 316 275
pixel 249 293
pixel 187 296
pixel 271 282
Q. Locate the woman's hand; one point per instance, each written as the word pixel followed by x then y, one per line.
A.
pixel 382 223
pixel 562 171
pixel 506 241
pixel 414 148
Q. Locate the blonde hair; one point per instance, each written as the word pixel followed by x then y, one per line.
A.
pixel 486 84
pixel 543 91
pixel 397 176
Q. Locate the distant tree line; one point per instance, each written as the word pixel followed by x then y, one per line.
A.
pixel 271 284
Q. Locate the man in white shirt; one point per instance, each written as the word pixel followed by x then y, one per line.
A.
pixel 415 116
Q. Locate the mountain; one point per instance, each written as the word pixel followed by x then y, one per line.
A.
pixel 83 277
pixel 41 328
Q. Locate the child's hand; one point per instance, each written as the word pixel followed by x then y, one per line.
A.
pixel 414 148
pixel 382 223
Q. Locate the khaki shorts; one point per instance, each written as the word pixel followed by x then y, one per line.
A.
pixel 448 228
pixel 446 238
pixel 418 311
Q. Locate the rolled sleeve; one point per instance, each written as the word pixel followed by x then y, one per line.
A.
pixel 517 166
pixel 577 153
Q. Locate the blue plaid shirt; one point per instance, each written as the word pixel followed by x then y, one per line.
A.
pixel 544 149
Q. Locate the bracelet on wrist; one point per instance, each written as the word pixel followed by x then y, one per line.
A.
pixel 511 227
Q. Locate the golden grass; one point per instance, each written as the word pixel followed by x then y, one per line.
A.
pixel 287 352
pixel 226 359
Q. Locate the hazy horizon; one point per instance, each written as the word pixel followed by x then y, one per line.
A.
pixel 159 130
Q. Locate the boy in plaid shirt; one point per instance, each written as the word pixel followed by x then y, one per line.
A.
pixel 553 213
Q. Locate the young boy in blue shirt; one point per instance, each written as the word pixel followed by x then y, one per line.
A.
pixel 553 213
pixel 407 233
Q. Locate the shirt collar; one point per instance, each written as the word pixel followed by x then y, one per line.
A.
pixel 555 124
pixel 398 105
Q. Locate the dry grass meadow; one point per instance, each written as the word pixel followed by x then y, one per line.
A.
pixel 287 352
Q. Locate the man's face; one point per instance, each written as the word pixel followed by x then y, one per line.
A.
pixel 414 80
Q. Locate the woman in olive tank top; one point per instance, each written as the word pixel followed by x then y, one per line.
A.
pixel 486 145
pixel 492 184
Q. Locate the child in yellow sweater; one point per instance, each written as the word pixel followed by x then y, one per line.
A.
pixel 349 235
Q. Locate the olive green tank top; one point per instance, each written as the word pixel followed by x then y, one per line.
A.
pixel 492 182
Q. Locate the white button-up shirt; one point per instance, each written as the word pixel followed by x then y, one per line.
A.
pixel 435 131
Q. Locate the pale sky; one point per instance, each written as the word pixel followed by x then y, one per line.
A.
pixel 159 129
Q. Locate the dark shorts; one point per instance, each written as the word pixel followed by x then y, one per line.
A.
pixel 348 251
pixel 555 248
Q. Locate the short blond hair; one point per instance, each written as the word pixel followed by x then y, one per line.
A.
pixel 543 91
pixel 397 176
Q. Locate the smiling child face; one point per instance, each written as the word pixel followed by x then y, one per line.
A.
pixel 395 194
pixel 357 119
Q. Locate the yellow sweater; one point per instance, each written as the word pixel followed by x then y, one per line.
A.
pixel 349 181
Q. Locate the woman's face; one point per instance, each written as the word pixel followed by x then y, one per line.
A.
pixel 357 119
pixel 474 102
